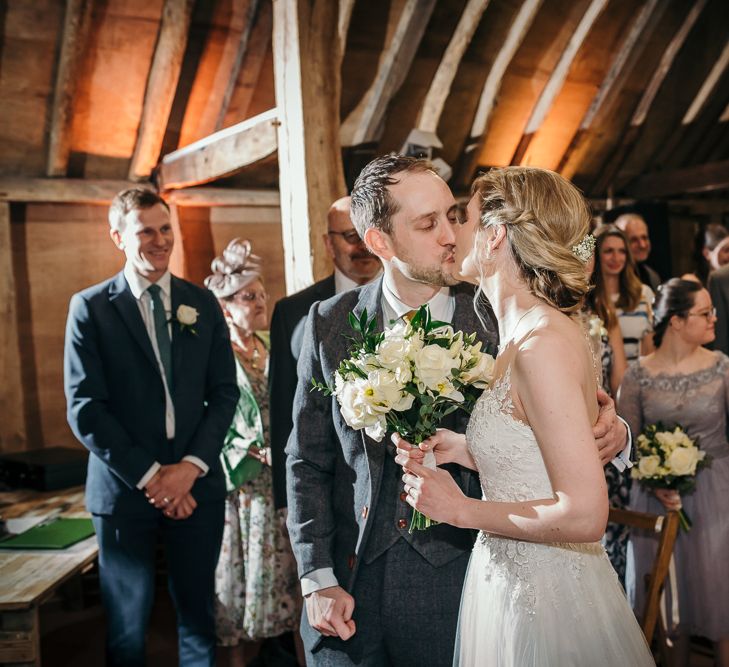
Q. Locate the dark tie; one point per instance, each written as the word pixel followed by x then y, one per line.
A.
pixel 162 334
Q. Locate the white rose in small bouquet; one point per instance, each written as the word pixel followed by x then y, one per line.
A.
pixel 408 379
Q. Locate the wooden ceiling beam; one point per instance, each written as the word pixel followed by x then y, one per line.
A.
pixel 700 178
pixel 517 32
pixel 708 86
pixel 630 137
pixel 220 154
pixel 559 74
pixel 76 22
pixel 308 91
pixel 644 23
pixel 345 17
pixel 364 122
pixel 161 86
pixel 440 87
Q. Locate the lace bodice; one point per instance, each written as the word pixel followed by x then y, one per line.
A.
pixel 507 455
pixel 511 469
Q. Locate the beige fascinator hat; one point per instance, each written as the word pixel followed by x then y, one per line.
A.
pixel 234 269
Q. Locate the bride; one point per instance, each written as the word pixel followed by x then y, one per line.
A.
pixel 539 590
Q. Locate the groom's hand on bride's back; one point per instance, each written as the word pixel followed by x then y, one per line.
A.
pixel 611 434
pixel 330 610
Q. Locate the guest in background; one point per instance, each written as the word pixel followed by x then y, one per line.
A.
pixel 684 383
pixel 257 588
pixel 354 265
pixel 711 250
pixel 618 288
pixel 636 231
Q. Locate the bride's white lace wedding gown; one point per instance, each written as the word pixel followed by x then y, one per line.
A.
pixel 527 604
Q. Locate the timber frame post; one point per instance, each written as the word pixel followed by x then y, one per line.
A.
pixel 308 85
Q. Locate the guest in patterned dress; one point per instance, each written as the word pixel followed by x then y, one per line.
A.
pixel 684 383
pixel 618 289
pixel 257 588
pixel 607 339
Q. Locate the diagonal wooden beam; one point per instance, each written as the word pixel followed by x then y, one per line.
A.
pixel 345 17
pixel 13 433
pixel 700 178
pixel 646 20
pixel 708 86
pixel 517 32
pixel 161 86
pixel 218 69
pixel 220 154
pixel 364 122
pixel 556 80
pixel 440 87
pixel 76 24
pixel 630 137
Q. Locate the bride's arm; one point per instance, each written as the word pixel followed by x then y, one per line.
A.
pixel 447 446
pixel 550 384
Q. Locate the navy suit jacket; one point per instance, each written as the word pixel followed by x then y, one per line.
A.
pixel 287 335
pixel 116 399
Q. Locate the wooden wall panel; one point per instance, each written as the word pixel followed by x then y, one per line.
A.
pixel 113 79
pixel 28 52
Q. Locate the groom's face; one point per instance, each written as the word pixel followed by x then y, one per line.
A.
pixel 423 237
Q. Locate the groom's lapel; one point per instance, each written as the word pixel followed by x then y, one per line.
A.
pixel 466 320
pixel 181 339
pixel 123 299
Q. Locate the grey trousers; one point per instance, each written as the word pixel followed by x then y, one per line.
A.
pixel 406 613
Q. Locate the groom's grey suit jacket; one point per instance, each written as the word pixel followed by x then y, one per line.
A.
pixel 335 474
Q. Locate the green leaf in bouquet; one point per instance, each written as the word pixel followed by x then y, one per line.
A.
pixel 322 387
pixel 363 322
pixel 436 324
pixel 353 321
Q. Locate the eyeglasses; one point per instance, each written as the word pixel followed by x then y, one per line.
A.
pixel 708 315
pixel 249 297
pixel 350 236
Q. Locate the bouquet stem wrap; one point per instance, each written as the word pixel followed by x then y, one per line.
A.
pixel 419 521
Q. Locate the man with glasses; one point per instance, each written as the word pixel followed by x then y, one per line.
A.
pixel 719 290
pixel 354 265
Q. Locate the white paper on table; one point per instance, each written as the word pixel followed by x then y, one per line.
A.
pixel 17 526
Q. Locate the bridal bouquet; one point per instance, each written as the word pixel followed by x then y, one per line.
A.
pixel 407 379
pixel 668 459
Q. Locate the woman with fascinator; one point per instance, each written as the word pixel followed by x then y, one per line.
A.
pixel 257 588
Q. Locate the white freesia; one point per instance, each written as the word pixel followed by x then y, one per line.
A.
pixel 433 365
pixel 186 315
pixel 481 373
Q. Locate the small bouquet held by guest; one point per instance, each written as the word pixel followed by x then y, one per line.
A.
pixel 407 379
pixel 668 459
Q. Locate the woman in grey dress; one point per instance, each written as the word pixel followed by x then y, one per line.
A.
pixel 684 383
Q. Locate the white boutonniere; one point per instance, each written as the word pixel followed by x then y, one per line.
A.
pixel 186 317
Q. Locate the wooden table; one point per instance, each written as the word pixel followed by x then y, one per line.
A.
pixel 27 578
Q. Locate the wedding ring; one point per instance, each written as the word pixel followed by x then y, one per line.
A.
pixel 166 500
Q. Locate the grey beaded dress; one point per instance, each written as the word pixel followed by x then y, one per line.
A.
pixel 699 402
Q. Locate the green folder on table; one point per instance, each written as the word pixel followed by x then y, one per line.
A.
pixel 58 533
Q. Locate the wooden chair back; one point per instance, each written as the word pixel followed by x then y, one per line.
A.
pixel 666 526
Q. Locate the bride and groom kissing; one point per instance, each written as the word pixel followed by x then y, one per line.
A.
pixel 527 474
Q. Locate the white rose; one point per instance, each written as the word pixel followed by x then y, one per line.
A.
pixel 683 460
pixel 392 351
pixel 186 315
pixel 433 366
pixel 648 465
pixel 482 373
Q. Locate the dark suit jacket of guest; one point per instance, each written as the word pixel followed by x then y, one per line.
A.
pixel 334 473
pixel 719 290
pixel 116 398
pixel 287 333
pixel 649 276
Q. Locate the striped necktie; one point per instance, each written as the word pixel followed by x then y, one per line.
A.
pixel 161 332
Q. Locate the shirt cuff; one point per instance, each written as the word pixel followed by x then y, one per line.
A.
pixel 316 580
pixel 622 460
pixel 198 462
pixel 148 475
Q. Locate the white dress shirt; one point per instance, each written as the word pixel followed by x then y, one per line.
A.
pixel 138 286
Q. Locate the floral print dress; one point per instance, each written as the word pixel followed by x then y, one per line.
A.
pixel 257 588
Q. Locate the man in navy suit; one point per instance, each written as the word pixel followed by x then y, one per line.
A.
pixel 150 386
pixel 354 265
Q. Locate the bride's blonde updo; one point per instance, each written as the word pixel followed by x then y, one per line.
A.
pixel 544 216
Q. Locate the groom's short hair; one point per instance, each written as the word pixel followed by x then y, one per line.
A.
pixel 372 205
pixel 133 199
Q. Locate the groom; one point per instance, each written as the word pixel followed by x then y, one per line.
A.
pixel 150 385
pixel 375 594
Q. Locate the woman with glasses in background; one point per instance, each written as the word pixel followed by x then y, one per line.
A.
pixel 684 383
pixel 257 587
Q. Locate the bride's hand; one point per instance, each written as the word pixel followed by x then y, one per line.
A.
pixel 433 492
pixel 447 446
pixel 670 498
